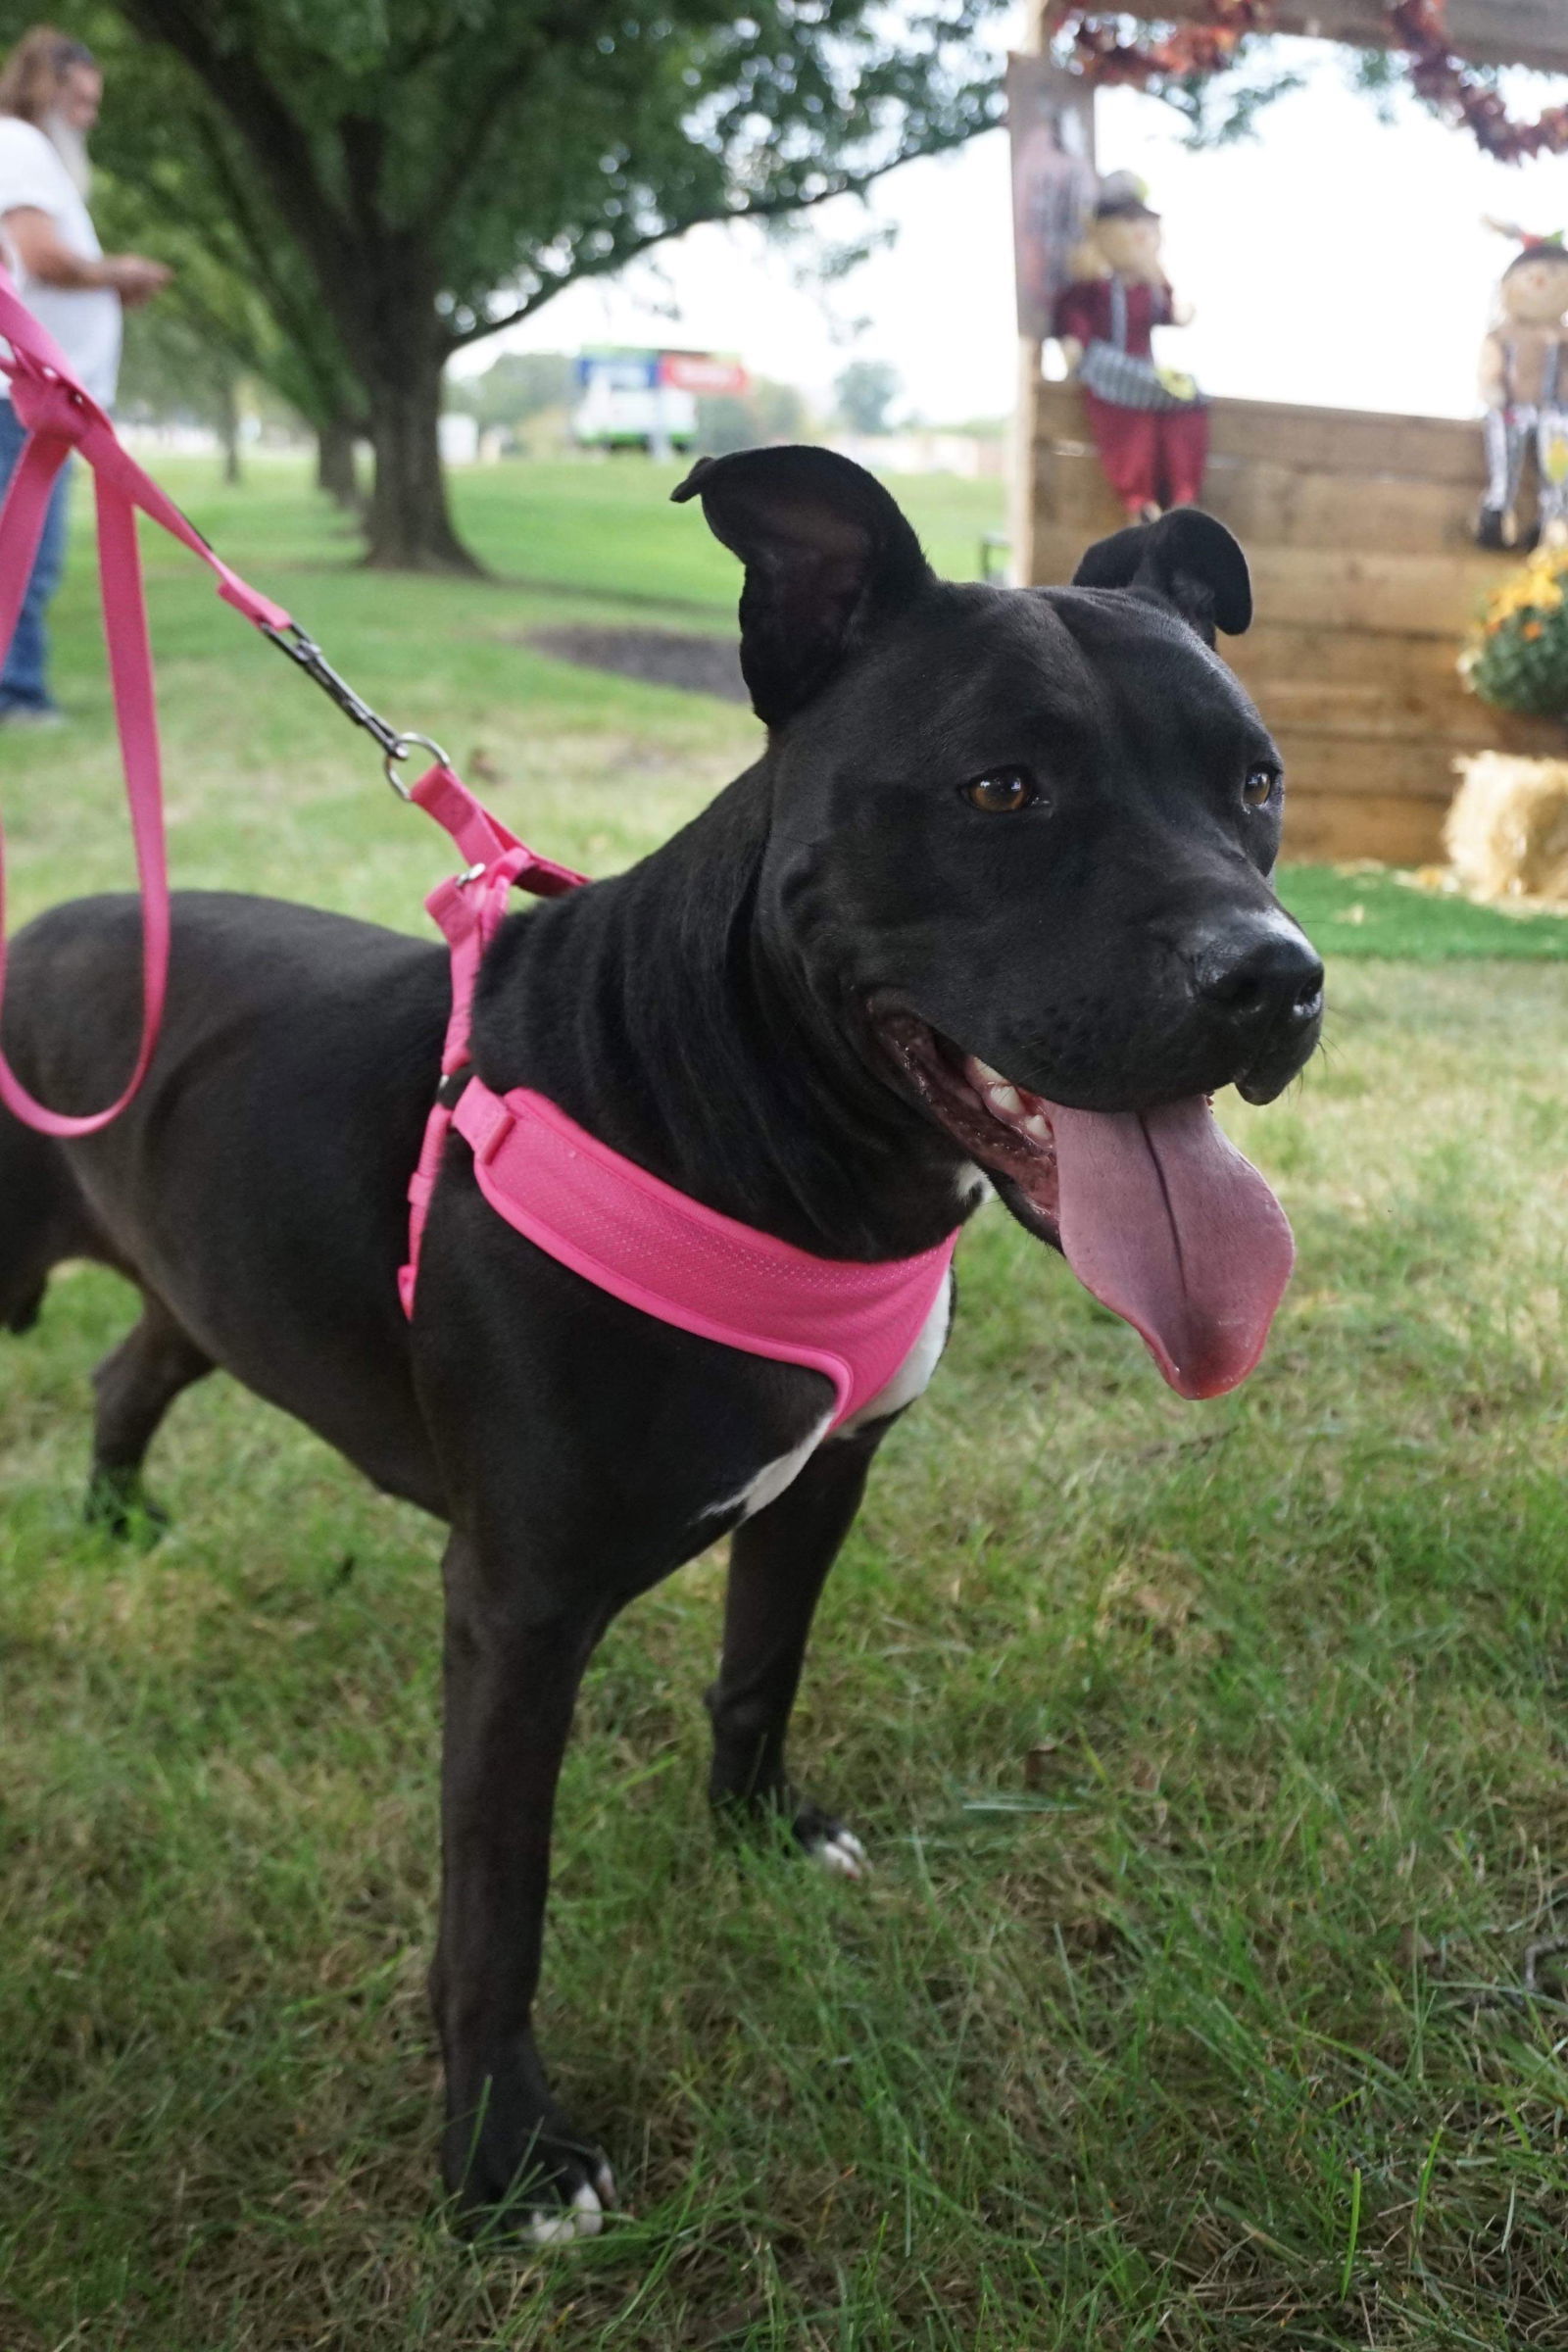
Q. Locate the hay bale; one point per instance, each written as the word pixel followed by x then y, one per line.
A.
pixel 1506 831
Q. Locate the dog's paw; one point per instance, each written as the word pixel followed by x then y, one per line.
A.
pixel 785 1821
pixel 118 1505
pixel 538 2185
pixel 831 1846
pixel 584 2216
pixel 842 1855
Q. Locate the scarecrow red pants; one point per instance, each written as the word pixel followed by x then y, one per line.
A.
pixel 1152 457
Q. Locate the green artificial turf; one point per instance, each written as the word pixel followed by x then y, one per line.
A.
pixel 1211 1758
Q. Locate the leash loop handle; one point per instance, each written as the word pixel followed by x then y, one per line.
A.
pixel 61 416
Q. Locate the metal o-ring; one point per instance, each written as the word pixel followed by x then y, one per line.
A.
pixel 399 751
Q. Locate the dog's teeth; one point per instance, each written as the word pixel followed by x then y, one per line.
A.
pixel 1038 1126
pixel 983 1074
pixel 1003 1097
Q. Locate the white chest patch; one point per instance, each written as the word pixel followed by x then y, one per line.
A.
pixel 913 1376
pixel 769 1483
pixel 911 1381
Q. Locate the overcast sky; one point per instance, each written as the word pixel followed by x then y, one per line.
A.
pixel 1333 259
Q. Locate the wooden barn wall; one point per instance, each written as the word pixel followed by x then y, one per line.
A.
pixel 1366 578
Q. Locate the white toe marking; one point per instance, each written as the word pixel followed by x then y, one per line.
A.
pixel 842 1855
pixel 589 2212
pixel 584 2218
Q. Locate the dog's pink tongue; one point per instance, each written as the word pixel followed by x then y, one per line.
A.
pixel 1172 1228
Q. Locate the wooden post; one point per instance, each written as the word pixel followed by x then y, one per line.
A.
pixel 1042 17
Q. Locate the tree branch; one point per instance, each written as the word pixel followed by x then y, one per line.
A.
pixel 468 153
pixel 275 138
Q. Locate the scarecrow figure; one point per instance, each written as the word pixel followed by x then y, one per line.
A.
pixel 1151 424
pixel 1524 384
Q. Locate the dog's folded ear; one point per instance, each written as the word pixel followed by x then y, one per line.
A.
pixel 1185 557
pixel 828 555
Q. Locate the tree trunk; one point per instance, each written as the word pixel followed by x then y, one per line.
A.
pixel 229 431
pixel 409 526
pixel 337 471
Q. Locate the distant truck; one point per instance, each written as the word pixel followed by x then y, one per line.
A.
pixel 647 399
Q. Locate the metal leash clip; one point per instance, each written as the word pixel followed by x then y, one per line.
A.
pixel 308 656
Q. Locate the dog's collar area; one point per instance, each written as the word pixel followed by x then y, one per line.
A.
pixel 611 1220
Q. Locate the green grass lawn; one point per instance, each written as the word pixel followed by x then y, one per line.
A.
pixel 1213 1758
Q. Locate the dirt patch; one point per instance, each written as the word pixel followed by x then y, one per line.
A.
pixel 657 656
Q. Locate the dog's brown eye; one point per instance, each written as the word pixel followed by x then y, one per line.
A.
pixel 1000 793
pixel 1258 788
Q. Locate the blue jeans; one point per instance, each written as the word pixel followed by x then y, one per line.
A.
pixel 23 683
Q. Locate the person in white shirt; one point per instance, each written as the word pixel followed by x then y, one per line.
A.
pixel 50 91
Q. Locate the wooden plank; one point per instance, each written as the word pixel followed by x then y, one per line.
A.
pixel 1395 664
pixel 1336 827
pixel 1493 33
pixel 1032 485
pixel 1430 596
pixel 1438 449
pixel 1346 761
pixel 1412 677
pixel 1377 715
pixel 1286 507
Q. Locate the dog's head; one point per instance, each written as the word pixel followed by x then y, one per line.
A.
pixel 1020 851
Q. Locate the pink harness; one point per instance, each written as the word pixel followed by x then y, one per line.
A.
pixel 608 1219
pixel 598 1213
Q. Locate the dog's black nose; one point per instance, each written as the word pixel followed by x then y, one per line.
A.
pixel 1260 975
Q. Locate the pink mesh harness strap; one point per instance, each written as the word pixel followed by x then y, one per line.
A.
pixel 608 1219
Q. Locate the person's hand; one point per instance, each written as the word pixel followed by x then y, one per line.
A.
pixel 136 279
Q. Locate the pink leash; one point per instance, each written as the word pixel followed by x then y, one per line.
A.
pixel 61 416
pixel 596 1211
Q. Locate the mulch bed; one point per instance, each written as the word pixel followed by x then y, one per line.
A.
pixel 659 657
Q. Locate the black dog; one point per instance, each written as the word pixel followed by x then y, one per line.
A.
pixel 993 831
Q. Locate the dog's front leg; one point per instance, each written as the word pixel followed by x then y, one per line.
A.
pixel 510 1675
pixel 778 1565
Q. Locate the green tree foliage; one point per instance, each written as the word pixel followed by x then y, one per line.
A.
pixel 416 172
pixel 865 391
